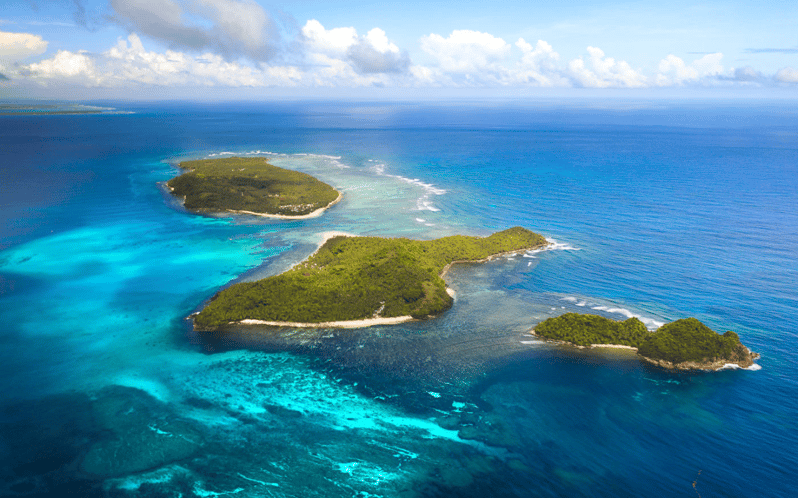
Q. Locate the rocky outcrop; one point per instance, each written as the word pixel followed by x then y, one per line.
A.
pixel 743 358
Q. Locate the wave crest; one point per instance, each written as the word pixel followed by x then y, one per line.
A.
pixel 423 203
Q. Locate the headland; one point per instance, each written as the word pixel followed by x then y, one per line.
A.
pixel 686 344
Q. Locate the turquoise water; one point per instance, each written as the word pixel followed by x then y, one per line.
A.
pixel 659 211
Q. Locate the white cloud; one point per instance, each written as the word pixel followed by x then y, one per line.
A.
pixel 375 54
pixel 65 65
pixel 334 42
pixel 342 51
pixel 538 65
pixel 604 72
pixel 18 46
pixel 787 75
pixel 466 52
pixel 674 71
pixel 340 57
pixel 709 65
pixel 129 63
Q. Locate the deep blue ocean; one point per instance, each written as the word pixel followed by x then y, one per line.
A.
pixel 661 210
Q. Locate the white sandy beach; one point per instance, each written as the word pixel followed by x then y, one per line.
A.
pixel 611 346
pixel 366 322
pixel 614 346
pixel 314 214
pixel 344 324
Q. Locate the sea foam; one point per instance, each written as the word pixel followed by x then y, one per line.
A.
pixel 734 366
pixel 650 323
pixel 423 203
pixel 553 245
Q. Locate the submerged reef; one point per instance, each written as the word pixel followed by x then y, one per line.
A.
pixel 251 186
pixel 685 344
pixel 367 279
pixel 69 444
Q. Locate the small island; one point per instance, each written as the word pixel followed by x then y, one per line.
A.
pixel 685 344
pixel 250 185
pixel 360 281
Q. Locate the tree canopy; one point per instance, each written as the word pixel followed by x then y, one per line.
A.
pixel 685 340
pixel 354 278
pixel 249 184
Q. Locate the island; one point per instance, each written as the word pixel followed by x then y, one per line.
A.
pixel 353 281
pixel 686 344
pixel 250 185
pixel 23 108
pixel 360 281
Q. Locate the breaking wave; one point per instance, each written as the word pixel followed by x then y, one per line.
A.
pixel 423 203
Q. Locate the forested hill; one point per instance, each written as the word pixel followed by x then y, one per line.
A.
pixel 249 184
pixel 685 344
pixel 355 278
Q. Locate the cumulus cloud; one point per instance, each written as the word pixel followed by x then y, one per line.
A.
pixel 332 42
pixel 466 52
pixel 674 71
pixel 604 72
pixel 375 54
pixel 70 66
pixel 232 28
pixel 129 63
pixel 337 57
pixel 18 46
pixel 343 51
pixel 538 65
pixel 787 75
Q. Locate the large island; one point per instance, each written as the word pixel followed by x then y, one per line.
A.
pixel 358 281
pixel 685 344
pixel 250 185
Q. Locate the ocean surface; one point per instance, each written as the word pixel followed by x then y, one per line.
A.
pixel 661 210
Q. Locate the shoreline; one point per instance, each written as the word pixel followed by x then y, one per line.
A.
pixel 491 257
pixel 342 324
pixel 607 346
pixel 315 214
pixel 706 366
pixel 366 322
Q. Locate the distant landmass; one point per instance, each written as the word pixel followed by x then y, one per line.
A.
pixel 251 186
pixel 685 344
pixel 46 109
pixel 360 281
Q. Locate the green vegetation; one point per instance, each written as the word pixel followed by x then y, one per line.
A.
pixel 690 340
pixel 685 340
pixel 354 278
pixel 249 184
pixel 584 330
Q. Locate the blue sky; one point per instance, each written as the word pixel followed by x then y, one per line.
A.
pixel 242 48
